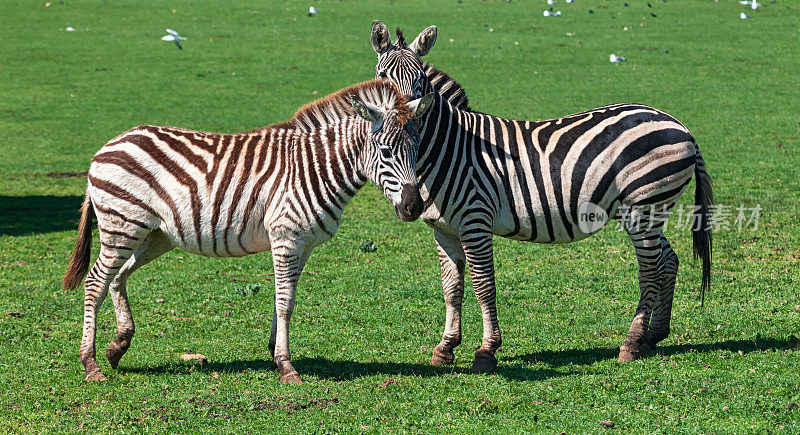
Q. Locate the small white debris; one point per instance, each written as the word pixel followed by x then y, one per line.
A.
pixel 754 4
pixel 624 28
pixel 551 14
pixel 451 39
pixel 614 58
pixel 570 34
pixel 552 2
pixel 312 11
pixel 491 29
pixel 744 16
pixel 70 29
pixel 174 37
pixel 570 1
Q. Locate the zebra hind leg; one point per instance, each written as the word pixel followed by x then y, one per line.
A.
pixel 647 245
pixel 153 246
pixel 114 253
pixel 453 261
pixel 662 308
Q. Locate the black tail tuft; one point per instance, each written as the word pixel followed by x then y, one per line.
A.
pixel 701 229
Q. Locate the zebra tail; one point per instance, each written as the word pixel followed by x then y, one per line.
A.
pixel 79 261
pixel 701 231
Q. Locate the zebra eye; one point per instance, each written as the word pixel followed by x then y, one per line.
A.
pixel 385 152
pixel 382 74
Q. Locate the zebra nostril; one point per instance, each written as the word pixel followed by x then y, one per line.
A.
pixel 410 205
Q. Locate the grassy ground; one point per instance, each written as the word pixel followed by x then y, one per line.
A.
pixel 365 322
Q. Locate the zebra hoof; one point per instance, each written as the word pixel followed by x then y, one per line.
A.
pixel 652 340
pixel 647 348
pixel 115 351
pixel 95 376
pixel 484 361
pixel 442 357
pixel 291 378
pixel 627 355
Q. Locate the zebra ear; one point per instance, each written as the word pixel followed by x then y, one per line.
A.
pixel 420 105
pixel 424 42
pixel 380 37
pixel 366 110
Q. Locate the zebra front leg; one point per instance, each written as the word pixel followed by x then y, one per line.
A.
pixel 648 253
pixel 452 260
pixel 662 307
pixel 478 250
pixel 288 259
pixel 153 246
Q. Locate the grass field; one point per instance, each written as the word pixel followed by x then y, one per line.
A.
pixel 365 323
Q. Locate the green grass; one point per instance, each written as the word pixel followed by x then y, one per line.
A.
pixel 365 322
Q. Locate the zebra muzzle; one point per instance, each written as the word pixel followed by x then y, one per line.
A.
pixel 410 206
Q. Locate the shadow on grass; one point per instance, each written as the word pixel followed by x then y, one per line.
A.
pixel 343 370
pixel 25 215
pixel 592 355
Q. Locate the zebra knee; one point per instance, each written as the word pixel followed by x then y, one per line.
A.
pixel 454 296
pixel 671 260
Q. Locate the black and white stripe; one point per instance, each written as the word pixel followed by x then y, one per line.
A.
pixel 482 175
pixel 278 188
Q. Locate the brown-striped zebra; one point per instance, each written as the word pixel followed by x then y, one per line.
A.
pixel 275 188
pixel 481 175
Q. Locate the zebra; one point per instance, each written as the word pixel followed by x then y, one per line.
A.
pixel 482 175
pixel 275 188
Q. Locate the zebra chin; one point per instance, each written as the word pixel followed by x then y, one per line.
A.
pixel 410 207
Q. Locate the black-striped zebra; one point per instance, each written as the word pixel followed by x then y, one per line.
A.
pixel 275 188
pixel 482 175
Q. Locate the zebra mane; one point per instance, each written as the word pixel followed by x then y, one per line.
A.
pixel 336 106
pixel 447 87
pixel 401 41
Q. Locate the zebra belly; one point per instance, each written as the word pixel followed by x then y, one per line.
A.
pixel 554 225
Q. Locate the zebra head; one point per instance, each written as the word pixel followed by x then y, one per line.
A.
pixel 390 158
pixel 400 62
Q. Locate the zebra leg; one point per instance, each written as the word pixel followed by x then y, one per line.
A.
pixel 154 245
pixel 662 308
pixel 452 260
pixel 288 260
pixel 273 332
pixel 108 263
pixel 479 252
pixel 647 245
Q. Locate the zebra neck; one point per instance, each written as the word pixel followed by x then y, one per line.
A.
pixel 329 160
pixel 439 128
pixel 447 87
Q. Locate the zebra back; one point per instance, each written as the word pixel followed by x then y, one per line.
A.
pixel 216 194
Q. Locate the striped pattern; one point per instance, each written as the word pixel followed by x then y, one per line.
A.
pixel 278 188
pixel 482 175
